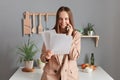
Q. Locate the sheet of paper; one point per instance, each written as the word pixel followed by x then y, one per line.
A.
pixel 58 43
pixel 46 37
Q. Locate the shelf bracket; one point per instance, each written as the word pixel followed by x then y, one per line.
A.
pixel 94 36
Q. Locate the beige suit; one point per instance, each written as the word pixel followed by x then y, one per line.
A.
pixel 61 67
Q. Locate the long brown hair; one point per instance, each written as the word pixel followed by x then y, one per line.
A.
pixel 63 8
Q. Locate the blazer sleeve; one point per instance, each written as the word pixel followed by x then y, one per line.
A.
pixel 76 46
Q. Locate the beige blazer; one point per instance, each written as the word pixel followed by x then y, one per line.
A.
pixel 63 67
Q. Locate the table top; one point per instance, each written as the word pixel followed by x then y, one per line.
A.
pixel 98 74
pixel 20 75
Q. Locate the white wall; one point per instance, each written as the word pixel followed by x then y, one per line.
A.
pixel 103 13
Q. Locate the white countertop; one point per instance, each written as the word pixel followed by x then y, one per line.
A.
pixel 98 74
pixel 20 75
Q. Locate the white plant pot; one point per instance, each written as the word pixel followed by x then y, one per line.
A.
pixel 90 33
pixel 40 64
pixel 29 64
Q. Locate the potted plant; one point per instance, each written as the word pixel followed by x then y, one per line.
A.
pixel 90 29
pixel 27 52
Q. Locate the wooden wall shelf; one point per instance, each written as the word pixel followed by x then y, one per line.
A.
pixel 94 36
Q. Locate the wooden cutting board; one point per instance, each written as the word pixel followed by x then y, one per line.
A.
pixel 27 24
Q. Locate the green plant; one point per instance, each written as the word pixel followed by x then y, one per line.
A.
pixel 27 51
pixel 90 27
pixel 80 30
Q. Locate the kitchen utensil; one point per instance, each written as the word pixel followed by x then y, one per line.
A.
pixel 46 20
pixel 34 27
pixel 40 28
pixel 27 24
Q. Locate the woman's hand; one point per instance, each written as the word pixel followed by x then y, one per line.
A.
pixel 70 29
pixel 48 54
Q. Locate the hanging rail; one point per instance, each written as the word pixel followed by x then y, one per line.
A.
pixel 29 21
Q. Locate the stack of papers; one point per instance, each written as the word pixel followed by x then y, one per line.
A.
pixel 57 43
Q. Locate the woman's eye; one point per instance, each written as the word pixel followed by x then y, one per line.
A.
pixel 60 18
pixel 66 19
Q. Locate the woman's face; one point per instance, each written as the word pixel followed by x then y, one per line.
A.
pixel 63 19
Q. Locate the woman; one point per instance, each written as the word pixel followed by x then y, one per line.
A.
pixel 58 66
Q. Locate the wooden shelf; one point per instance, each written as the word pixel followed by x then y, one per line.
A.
pixel 94 36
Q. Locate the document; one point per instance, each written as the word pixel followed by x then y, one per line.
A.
pixel 57 43
pixel 46 37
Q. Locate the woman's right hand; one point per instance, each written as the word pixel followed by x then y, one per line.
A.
pixel 48 54
pixel 70 29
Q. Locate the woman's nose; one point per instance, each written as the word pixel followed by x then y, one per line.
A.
pixel 63 21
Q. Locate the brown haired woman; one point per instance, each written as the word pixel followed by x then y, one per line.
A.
pixel 58 66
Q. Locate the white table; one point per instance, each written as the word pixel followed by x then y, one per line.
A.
pixel 20 75
pixel 98 74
